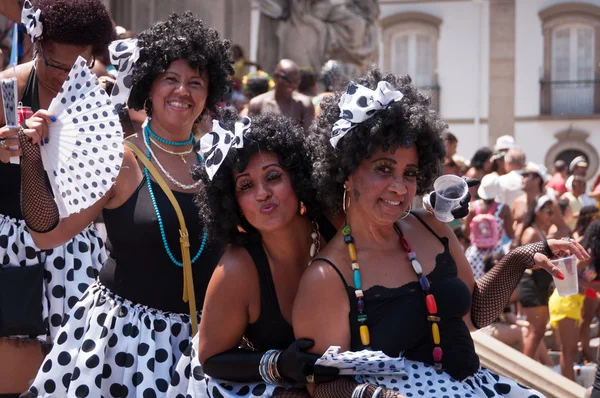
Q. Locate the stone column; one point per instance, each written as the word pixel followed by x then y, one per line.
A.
pixel 502 69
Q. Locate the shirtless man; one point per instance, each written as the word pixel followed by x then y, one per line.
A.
pixel 284 99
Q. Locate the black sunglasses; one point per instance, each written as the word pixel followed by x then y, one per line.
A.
pixel 59 67
pixel 288 79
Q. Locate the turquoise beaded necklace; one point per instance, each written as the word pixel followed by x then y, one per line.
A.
pixel 147 132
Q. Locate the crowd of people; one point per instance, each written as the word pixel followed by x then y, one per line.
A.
pixel 256 226
pixel 522 203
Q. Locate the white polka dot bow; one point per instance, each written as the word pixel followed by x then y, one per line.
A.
pixel 123 53
pixel 215 145
pixel 32 20
pixel 359 103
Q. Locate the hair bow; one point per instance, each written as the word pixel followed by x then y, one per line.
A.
pixel 32 19
pixel 123 54
pixel 215 145
pixel 359 103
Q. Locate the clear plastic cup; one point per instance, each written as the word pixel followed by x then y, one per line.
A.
pixel 449 191
pixel 568 267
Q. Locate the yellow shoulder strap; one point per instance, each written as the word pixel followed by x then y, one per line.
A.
pixel 189 295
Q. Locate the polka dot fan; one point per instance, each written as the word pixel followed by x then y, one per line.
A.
pixel 85 148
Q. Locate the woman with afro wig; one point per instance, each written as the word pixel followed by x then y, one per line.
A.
pixel 55 278
pixel 257 199
pixel 392 279
pixel 123 338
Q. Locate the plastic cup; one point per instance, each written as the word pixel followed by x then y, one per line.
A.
pixel 568 267
pixel 449 191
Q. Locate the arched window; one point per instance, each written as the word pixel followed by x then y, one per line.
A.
pixel 571 81
pixel 410 43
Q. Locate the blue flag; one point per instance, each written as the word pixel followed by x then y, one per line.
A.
pixel 14 52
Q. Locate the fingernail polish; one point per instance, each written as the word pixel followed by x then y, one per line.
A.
pixel 46 140
pixel 53 118
pixel 560 276
pixel 41 143
pixel 590 293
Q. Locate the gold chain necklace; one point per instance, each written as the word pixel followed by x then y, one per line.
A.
pixel 180 154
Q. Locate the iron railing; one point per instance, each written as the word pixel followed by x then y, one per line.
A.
pixel 574 97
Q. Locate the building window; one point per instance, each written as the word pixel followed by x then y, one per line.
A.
pixel 570 84
pixel 410 47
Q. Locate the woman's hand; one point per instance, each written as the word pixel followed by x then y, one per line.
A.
pixel 560 248
pixel 37 127
pixel 8 140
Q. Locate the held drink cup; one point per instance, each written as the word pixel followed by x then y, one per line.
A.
pixel 568 267
pixel 449 191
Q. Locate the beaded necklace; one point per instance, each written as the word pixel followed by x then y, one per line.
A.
pixel 166 142
pixel 432 316
pixel 147 133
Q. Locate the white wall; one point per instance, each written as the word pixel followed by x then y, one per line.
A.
pixel 468 138
pixel 460 50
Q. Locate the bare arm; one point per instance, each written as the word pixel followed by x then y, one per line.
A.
pixel 508 222
pixel 468 219
pixel 11 9
pixel 308 114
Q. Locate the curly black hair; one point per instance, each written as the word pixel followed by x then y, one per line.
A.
pixel 481 156
pixel 217 201
pixel 182 36
pixel 405 123
pixel 591 241
pixel 76 22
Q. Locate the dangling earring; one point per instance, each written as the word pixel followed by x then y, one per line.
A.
pixel 302 209
pixel 345 206
pixel 407 212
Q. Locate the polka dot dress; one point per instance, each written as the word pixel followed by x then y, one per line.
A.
pixel 68 269
pixel 421 380
pixel 190 381
pixel 111 347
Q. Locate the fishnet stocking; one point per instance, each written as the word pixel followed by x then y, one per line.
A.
pixel 37 203
pixel 493 290
pixel 343 388
pixel 291 393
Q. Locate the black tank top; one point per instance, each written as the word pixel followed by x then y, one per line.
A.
pixel 139 268
pixel 271 331
pixel 10 182
pixel 397 318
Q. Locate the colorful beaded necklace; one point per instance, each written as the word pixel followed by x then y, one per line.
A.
pixel 147 133
pixel 432 316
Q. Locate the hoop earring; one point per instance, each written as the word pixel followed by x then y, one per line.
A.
pixel 407 212
pixel 302 208
pixel 344 206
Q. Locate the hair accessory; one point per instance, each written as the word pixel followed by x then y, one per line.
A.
pixel 32 20
pixel 216 144
pixel 359 103
pixel 123 54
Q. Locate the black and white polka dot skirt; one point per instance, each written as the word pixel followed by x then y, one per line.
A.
pixel 421 380
pixel 68 269
pixel 189 381
pixel 111 347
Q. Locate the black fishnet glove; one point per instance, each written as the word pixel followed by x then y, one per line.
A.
pixel 37 203
pixel 493 290
pixel 343 388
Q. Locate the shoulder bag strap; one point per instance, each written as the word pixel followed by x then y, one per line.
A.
pixel 189 295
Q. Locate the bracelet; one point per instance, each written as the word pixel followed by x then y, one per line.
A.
pixel 359 391
pixel 378 391
pixel 268 367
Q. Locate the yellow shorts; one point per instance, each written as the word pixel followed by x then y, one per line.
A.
pixel 565 307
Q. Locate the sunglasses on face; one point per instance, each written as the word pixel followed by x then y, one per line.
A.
pixel 60 67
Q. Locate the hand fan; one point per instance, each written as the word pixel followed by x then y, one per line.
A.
pixel 85 149
pixel 363 362
pixel 9 100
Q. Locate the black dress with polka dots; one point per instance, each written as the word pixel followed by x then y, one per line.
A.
pixel 397 318
pixel 139 268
